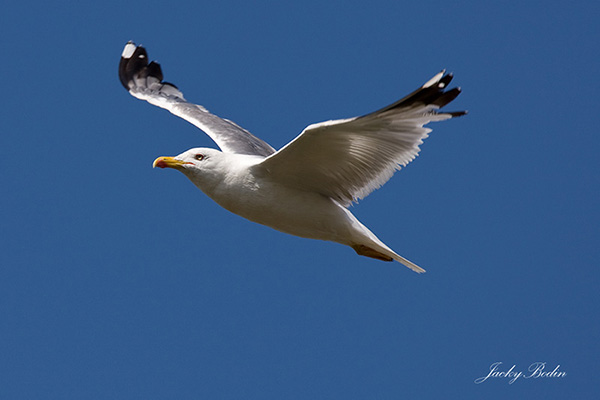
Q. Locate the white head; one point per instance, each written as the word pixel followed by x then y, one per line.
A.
pixel 203 166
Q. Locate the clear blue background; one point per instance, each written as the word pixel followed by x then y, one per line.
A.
pixel 119 281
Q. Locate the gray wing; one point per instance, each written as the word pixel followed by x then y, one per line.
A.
pixel 348 159
pixel 143 80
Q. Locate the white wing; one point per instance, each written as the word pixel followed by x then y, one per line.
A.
pixel 144 81
pixel 348 159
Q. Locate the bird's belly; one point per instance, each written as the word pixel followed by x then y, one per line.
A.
pixel 300 213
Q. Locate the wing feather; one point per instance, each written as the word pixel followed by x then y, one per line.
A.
pixel 144 81
pixel 348 159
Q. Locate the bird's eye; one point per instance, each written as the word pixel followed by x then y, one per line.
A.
pixel 199 157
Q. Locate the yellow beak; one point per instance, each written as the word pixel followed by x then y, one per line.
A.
pixel 168 162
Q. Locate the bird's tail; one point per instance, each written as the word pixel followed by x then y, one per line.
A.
pixel 380 251
pixel 365 243
pixel 408 263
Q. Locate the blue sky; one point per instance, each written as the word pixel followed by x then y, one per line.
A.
pixel 120 281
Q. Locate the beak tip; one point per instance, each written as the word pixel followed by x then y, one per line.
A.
pixel 159 162
pixel 169 162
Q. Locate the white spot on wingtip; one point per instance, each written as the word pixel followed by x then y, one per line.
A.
pixel 128 50
pixel 435 79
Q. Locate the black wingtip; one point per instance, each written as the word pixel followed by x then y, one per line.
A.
pixel 446 79
pixel 134 63
pixel 433 92
pixel 444 98
pixel 154 70
pixel 133 58
pixel 457 113
pixel 134 71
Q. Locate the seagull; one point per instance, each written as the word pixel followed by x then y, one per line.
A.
pixel 306 187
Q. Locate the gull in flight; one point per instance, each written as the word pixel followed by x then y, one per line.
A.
pixel 306 187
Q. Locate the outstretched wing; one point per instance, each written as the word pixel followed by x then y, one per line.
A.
pixel 144 81
pixel 348 159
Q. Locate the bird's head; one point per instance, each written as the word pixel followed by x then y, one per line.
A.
pixel 199 164
pixel 193 159
pixel 207 168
